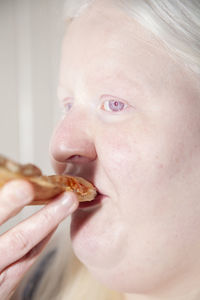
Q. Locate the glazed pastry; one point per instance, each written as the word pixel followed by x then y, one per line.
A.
pixel 45 187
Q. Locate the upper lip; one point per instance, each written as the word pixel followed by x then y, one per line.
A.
pixel 98 188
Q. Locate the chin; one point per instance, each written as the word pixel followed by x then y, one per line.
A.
pixel 106 259
pixel 95 240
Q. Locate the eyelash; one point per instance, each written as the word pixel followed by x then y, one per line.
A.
pixel 112 104
pixel 66 105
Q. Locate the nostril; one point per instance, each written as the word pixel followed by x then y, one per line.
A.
pixel 74 157
pixel 78 159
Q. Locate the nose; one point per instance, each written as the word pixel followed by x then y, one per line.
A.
pixel 72 143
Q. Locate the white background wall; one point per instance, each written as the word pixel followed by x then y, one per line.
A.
pixel 30 41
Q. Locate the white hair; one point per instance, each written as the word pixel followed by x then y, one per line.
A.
pixel 177 24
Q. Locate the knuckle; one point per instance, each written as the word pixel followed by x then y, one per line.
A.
pixel 46 218
pixel 19 241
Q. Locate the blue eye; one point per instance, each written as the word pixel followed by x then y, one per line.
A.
pixel 66 105
pixel 114 105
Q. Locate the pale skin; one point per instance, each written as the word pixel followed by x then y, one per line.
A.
pixel 21 245
pixel 140 146
pixel 131 125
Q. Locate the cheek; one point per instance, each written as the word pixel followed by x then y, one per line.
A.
pixel 130 160
pixel 154 176
pixel 146 156
pixel 117 149
pixel 120 158
pixel 159 212
pixel 147 170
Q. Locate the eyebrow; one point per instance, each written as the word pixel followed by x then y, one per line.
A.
pixel 120 75
pixel 124 79
pixel 63 92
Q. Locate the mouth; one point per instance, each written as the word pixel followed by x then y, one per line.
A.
pixel 97 201
pixel 91 204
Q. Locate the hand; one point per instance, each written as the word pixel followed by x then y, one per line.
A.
pixel 21 245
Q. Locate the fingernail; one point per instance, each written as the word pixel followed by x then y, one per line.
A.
pixel 69 202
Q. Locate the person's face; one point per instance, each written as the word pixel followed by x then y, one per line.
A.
pixel 132 127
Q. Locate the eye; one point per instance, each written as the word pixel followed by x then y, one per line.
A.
pixel 114 105
pixel 66 105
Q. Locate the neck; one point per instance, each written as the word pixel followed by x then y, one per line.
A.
pixel 189 296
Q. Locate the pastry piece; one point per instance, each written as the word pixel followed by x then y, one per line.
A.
pixel 45 187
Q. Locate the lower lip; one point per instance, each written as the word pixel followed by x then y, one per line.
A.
pixel 96 202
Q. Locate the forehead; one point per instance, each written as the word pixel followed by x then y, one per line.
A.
pixel 103 41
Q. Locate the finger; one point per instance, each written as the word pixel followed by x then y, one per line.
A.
pixel 12 275
pixel 13 197
pixel 19 240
